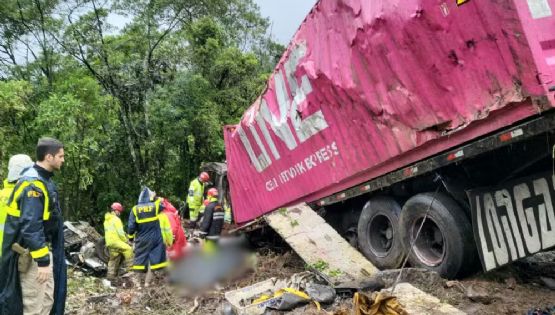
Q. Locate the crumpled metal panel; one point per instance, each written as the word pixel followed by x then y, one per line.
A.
pixel 366 87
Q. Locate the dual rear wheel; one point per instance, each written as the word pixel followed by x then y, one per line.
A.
pixel 445 244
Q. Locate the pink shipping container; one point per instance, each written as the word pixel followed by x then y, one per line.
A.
pixel 369 87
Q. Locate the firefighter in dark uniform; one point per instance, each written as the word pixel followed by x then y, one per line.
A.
pixel 145 229
pixel 213 220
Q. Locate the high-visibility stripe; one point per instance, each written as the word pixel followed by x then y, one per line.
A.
pixel 2 225
pixel 39 253
pixel 156 208
pixel 147 220
pixel 158 266
pixel 138 267
pixel 14 212
pixel 131 236
pixel 13 205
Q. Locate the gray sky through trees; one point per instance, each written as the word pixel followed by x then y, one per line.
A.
pixel 285 16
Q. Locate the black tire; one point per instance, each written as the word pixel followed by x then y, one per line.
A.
pixel 446 243
pixel 378 233
pixel 101 250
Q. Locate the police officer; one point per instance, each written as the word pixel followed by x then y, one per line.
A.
pixel 151 233
pixel 34 221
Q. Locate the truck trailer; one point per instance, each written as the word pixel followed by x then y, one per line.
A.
pixel 403 118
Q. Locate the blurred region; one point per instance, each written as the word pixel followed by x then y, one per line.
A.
pixel 205 267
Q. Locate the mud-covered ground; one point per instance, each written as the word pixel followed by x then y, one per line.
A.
pixel 515 289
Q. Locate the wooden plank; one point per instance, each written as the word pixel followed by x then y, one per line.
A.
pixel 319 244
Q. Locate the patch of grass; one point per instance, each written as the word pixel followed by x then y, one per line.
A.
pixel 320 265
pixel 335 273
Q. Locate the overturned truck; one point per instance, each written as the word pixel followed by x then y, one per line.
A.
pixel 410 117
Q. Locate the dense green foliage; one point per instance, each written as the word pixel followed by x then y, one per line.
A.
pixel 142 104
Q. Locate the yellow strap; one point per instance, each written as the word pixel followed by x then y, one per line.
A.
pixel 138 267
pixel 40 185
pixel 39 253
pixel 2 226
pixel 157 205
pixel 161 265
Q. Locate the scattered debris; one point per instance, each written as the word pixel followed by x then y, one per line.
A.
pixel 195 306
pixel 511 283
pixel 348 289
pixel 479 295
pixel 418 302
pixel 377 304
pixel 284 299
pixel 548 282
pixel 503 291
pixel 539 311
pixel 321 293
pixel 100 298
pixel 107 283
pixel 242 299
pixel 85 247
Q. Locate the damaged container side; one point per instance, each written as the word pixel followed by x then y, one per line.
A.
pixel 367 87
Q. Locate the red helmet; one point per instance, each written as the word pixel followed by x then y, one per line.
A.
pixel 116 206
pixel 204 177
pixel 212 192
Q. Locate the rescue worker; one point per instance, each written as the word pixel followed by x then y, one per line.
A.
pixel 34 220
pixel 195 197
pixel 213 220
pixel 151 233
pixel 116 242
pixel 176 250
pixel 16 165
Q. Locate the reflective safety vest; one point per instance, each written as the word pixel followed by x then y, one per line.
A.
pixel 5 194
pixel 11 208
pixel 196 192
pixel 113 230
pixel 147 213
pixel 166 229
pixel 150 213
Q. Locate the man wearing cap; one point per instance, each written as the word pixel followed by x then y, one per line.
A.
pixel 116 242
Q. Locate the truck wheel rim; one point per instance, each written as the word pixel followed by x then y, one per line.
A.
pixel 430 245
pixel 381 235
